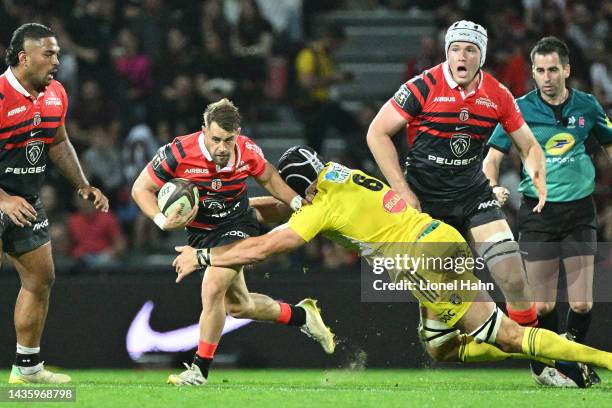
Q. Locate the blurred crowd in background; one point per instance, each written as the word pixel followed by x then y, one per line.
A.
pixel 140 72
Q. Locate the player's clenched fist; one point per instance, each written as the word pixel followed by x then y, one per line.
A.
pixel 18 210
pixel 501 193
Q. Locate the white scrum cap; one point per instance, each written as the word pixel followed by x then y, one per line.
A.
pixel 467 31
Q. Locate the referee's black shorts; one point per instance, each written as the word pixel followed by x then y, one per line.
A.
pixel 561 230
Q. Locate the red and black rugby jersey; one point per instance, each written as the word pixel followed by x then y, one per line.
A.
pixel 448 130
pixel 27 127
pixel 223 191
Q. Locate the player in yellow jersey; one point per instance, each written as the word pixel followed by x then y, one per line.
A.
pixel 362 213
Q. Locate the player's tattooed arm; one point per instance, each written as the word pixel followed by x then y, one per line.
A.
pixel 64 156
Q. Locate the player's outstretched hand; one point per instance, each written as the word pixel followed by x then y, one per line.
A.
pixel 185 263
pixel 18 210
pixel 176 220
pixel 501 193
pixel 100 201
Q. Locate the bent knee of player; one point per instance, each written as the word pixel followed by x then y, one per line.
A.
pixel 581 307
pixel 213 290
pixel 509 275
pixel 544 308
pixel 40 283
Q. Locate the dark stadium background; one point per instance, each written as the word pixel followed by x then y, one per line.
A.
pixel 117 119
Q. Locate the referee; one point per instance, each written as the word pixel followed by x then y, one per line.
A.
pixel 562 119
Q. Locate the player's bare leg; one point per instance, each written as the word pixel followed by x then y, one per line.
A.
pixel 37 275
pixel 241 303
pixel 495 243
pixel 212 319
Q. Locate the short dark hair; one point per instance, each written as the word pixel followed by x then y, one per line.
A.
pixel 548 45
pixel 32 31
pixel 225 113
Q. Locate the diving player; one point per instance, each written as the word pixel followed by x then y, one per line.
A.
pixel 361 212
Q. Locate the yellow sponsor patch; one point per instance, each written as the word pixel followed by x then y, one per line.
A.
pixel 559 144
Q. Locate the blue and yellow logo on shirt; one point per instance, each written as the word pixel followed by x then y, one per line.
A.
pixel 560 144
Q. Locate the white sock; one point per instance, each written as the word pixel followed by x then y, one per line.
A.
pixel 27 350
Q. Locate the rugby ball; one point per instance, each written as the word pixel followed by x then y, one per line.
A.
pixel 180 193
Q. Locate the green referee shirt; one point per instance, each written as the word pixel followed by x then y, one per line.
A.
pixel 570 174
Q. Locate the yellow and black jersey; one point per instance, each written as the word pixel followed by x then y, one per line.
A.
pixel 358 211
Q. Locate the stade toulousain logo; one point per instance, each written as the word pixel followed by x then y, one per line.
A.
pixel 34 150
pixel 216 184
pixel 460 143
pixel 37 119
pixel 464 115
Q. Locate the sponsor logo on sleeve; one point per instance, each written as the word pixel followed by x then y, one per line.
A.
pixel 401 96
pixel 337 173
pixel 159 157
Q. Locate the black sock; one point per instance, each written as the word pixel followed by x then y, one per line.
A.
pixel 298 316
pixel 549 321
pixel 203 364
pixel 578 324
pixel 27 360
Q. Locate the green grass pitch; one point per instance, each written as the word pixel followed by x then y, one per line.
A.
pixel 318 388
